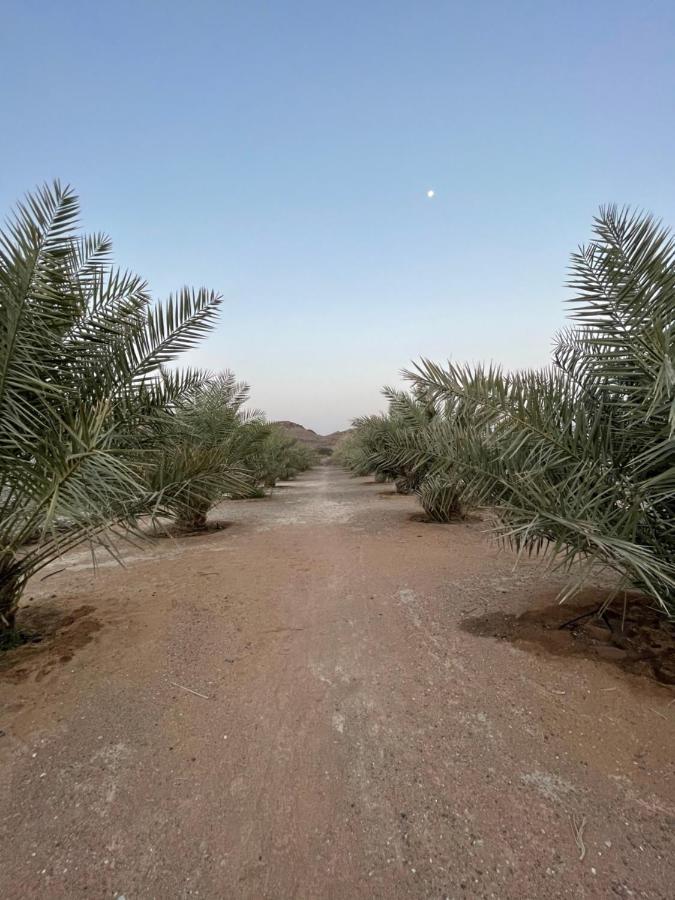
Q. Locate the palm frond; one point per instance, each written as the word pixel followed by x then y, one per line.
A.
pixel 83 386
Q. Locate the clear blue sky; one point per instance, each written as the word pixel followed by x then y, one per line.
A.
pixel 280 152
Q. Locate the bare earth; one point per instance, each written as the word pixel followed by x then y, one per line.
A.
pixel 352 733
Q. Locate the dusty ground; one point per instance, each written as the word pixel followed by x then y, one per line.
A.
pixel 356 729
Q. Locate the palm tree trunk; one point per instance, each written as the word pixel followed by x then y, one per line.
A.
pixel 192 522
pixel 402 485
pixel 12 583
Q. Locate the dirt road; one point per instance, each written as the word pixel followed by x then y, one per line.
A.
pixel 294 707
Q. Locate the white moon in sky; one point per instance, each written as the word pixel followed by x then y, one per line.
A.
pixel 431 194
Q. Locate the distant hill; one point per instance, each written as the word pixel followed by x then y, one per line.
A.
pixel 323 443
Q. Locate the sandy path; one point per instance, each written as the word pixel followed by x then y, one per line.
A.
pixel 352 739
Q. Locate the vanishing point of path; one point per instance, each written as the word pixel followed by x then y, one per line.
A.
pixel 293 707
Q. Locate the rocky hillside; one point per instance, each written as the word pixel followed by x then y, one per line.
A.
pixel 323 443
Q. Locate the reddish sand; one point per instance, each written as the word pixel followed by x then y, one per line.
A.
pixel 327 699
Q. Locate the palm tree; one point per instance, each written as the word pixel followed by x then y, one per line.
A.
pixel 282 457
pixel 206 447
pixel 83 352
pixel 407 445
pixel 209 448
pixel 579 459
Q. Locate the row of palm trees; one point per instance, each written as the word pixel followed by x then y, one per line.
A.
pixel 576 460
pixel 98 430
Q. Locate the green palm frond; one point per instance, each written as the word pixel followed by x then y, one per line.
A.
pixel 83 382
pixel 577 460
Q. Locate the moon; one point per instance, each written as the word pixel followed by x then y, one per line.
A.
pixel 431 194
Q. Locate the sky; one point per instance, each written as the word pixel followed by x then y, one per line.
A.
pixel 281 153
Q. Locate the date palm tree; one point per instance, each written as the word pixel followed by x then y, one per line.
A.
pixel 407 445
pixel 83 380
pixel 206 449
pixel 281 457
pixel 579 459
